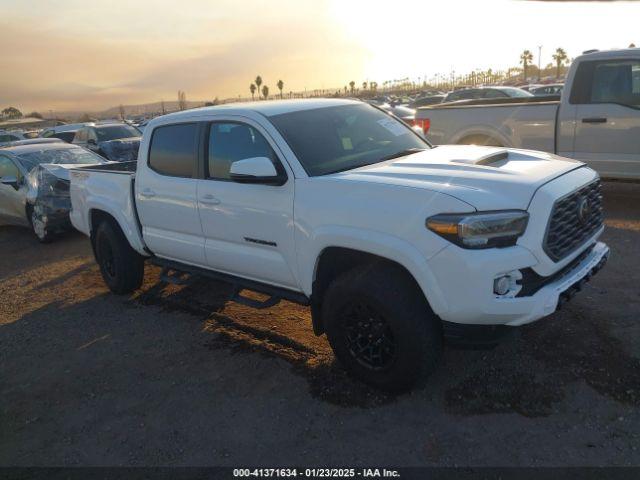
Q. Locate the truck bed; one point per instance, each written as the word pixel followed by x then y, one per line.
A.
pixel 528 123
pixel 112 167
pixel 106 188
pixel 496 101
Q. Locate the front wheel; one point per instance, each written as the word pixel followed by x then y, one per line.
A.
pixel 381 327
pixel 121 266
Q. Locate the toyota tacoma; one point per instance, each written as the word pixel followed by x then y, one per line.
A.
pixel 335 204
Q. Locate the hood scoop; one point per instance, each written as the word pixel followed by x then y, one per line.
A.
pixel 489 159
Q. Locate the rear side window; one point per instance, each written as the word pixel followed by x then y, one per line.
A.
pixel 613 81
pixel 174 149
pixel 491 93
pixel 230 142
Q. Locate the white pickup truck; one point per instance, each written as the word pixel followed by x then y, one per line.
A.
pixel 597 119
pixel 338 205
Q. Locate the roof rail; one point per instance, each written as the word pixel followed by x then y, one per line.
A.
pixel 586 52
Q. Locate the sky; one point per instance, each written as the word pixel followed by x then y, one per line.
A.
pixel 78 55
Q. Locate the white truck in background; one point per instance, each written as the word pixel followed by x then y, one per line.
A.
pixel 338 205
pixel 596 120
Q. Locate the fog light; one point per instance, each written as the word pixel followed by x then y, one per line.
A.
pixel 501 285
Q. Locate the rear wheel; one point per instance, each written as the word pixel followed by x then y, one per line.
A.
pixel 380 326
pixel 121 266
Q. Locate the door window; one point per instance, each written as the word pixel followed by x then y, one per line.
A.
pixel 8 138
pixel 8 168
pixel 230 142
pixel 173 150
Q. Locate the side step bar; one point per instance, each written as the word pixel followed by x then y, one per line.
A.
pixel 178 273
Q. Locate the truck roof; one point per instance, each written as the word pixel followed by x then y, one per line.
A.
pixel 604 54
pixel 268 108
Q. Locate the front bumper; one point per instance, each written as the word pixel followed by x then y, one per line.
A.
pixel 466 279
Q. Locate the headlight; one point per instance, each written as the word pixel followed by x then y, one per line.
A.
pixel 480 230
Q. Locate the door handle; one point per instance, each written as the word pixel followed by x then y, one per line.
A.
pixel 594 120
pixel 147 192
pixel 209 199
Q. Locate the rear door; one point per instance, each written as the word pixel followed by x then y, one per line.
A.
pixel 166 194
pixel 12 201
pixel 606 96
pixel 248 228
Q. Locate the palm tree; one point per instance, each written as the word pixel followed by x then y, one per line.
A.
pixel 280 86
pixel 525 59
pixel 559 57
pixel 252 87
pixel 258 82
pixel 265 91
pixel 352 84
pixel 364 85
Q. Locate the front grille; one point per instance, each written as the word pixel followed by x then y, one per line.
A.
pixel 574 219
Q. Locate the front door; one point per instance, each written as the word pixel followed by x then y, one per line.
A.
pixel 607 134
pixel 248 228
pixel 12 201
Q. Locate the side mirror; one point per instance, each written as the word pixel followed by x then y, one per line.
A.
pixel 255 170
pixel 10 180
pixel 91 141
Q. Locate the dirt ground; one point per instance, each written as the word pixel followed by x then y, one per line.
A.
pixel 181 376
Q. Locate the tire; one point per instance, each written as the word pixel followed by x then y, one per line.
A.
pixel 121 266
pixel 407 334
pixel 37 226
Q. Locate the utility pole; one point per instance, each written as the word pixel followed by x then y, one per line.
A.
pixel 539 55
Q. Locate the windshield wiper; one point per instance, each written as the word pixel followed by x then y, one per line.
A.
pixel 402 153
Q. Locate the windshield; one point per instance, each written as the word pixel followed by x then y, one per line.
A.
pixel 115 132
pixel 61 156
pixel 333 139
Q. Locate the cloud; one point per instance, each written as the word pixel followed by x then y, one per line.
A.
pixel 65 66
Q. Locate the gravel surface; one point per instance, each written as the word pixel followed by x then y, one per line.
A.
pixel 181 376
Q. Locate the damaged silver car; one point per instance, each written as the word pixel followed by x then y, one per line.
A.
pixel 34 185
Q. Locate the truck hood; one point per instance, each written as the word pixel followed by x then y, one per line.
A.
pixel 488 178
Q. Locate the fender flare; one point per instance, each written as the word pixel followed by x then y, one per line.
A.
pixel 130 231
pixel 485 131
pixel 380 244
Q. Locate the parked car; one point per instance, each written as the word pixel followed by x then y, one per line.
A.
pixel 7 136
pixel 114 141
pixel 63 132
pixel 338 205
pixel 596 120
pixel 30 141
pixel 547 90
pixel 486 92
pixel 401 111
pixel 34 184
pixel 425 101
